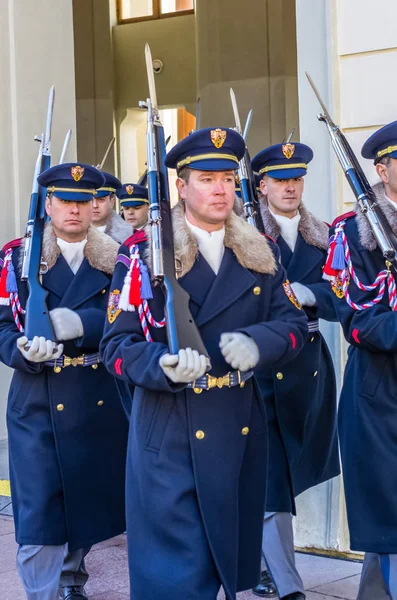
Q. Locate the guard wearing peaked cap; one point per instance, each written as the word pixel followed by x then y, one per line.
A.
pixel 303 449
pixel 196 464
pixel 67 431
pixel 104 215
pixel 367 408
pixel 134 202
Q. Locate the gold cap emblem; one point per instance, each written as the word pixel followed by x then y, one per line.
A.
pixel 218 137
pixel 129 189
pixel 77 172
pixel 288 150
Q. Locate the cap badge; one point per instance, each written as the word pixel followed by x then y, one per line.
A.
pixel 129 189
pixel 288 150
pixel 77 172
pixel 218 137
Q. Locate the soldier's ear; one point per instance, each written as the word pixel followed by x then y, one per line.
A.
pixel 181 187
pixel 48 205
pixel 382 172
pixel 263 186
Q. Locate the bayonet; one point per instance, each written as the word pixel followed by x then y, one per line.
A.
pixel 65 147
pixel 111 144
pixel 198 114
pixel 235 111
pixel 150 76
pixel 247 125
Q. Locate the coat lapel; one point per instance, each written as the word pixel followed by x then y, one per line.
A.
pixel 86 283
pixel 59 278
pixel 197 282
pixel 229 285
pixel 304 259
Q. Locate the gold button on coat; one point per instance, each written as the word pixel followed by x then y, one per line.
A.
pixel 315 373
pixel 257 290
pixel 312 340
pixel 100 403
pixel 94 367
pixel 103 292
pixel 60 407
pixel 279 376
pixel 245 430
pixel 200 434
pixel 57 369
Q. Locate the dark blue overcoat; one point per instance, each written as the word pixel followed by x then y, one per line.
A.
pixel 368 405
pixel 195 500
pixel 301 398
pixel 67 431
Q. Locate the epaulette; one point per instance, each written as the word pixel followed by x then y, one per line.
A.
pixel 13 244
pixel 347 215
pixel 137 237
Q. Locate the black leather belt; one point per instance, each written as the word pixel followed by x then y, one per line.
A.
pixel 85 360
pixel 231 379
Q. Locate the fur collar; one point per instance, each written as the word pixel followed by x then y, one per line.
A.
pixel 118 229
pixel 314 232
pixel 367 238
pixel 100 250
pixel 251 249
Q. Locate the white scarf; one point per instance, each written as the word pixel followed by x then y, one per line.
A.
pixel 288 228
pixel 210 245
pixel 73 253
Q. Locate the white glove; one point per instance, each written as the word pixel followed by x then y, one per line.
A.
pixel 239 350
pixel 303 294
pixel 67 324
pixel 40 349
pixel 184 367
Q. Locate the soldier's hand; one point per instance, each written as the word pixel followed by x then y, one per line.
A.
pixel 40 349
pixel 67 324
pixel 184 367
pixel 239 350
pixel 303 294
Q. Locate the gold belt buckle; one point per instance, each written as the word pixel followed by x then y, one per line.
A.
pixel 73 362
pixel 218 382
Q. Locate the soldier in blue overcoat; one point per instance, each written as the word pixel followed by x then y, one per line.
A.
pixel 300 398
pixel 67 431
pixel 368 407
pixel 196 462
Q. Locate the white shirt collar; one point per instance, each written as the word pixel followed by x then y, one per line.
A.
pixel 73 252
pixel 394 205
pixel 211 245
pixel 101 228
pixel 288 227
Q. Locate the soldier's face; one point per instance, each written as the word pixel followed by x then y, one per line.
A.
pixel 70 220
pixel 283 195
pixel 102 209
pixel 136 216
pixel 208 196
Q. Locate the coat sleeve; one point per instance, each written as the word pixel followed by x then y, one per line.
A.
pixel 325 299
pixel 9 353
pixel 281 337
pixel 124 349
pixel 93 320
pixel 374 328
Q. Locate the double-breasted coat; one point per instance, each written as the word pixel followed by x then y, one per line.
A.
pixel 196 465
pixel 368 402
pixel 67 431
pixel 301 398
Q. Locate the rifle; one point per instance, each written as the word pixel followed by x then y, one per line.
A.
pixel 182 331
pixel 362 189
pixel 246 174
pixel 37 320
pixel 143 178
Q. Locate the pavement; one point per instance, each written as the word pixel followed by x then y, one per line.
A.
pixel 324 578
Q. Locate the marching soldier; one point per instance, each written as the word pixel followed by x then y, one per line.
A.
pixel 368 408
pixel 104 217
pixel 135 204
pixel 66 429
pixel 300 398
pixel 196 464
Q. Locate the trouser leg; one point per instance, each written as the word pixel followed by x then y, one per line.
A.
pixel 278 550
pixel 388 565
pixel 372 583
pixel 40 568
pixel 73 571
